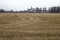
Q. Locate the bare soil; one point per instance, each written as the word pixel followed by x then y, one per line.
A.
pixel 29 26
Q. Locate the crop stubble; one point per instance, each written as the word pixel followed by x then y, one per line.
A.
pixel 26 26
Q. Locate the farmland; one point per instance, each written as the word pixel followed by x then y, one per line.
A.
pixel 26 26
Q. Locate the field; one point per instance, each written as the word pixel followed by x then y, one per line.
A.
pixel 29 26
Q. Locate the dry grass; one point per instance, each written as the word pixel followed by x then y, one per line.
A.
pixel 29 26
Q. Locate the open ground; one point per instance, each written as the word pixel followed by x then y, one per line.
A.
pixel 29 26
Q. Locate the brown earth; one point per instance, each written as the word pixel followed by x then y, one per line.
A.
pixel 30 26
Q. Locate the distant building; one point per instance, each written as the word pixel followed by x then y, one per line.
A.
pixel 31 10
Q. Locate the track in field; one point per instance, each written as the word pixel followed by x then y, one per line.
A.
pixel 29 26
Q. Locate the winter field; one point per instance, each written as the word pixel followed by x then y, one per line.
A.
pixel 29 26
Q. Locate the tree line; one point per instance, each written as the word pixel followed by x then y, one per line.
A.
pixel 35 10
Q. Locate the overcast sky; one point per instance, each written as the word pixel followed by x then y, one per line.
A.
pixel 24 4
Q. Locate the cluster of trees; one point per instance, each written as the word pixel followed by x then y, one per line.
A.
pixel 10 11
pixel 36 10
pixel 2 11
